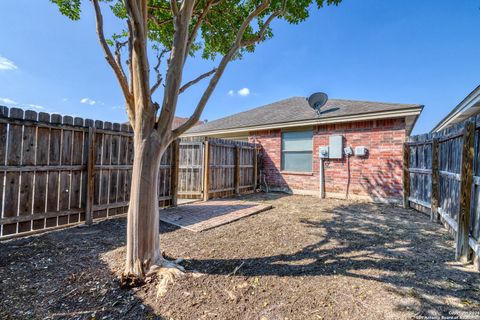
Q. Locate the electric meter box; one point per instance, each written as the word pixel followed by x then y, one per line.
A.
pixel 323 152
pixel 361 151
pixel 348 151
pixel 335 147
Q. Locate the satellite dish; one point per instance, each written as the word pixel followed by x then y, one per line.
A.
pixel 317 100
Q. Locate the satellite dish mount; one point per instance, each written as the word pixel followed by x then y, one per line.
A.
pixel 317 100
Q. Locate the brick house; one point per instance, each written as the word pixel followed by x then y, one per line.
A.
pixel 291 133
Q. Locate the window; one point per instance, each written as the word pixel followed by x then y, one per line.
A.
pixel 297 151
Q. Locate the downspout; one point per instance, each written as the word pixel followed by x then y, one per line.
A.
pixel 322 179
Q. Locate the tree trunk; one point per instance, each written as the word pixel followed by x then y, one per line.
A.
pixel 143 234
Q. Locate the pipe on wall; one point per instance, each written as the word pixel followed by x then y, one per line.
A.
pixel 322 179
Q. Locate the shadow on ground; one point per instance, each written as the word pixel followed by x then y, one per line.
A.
pixel 303 259
pixel 61 275
pixel 379 243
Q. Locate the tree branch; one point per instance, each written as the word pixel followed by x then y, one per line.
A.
pixel 115 66
pixel 176 63
pixel 196 80
pixel 130 52
pixel 162 22
pixel 220 69
pixel 174 7
pixel 261 32
pixel 198 24
pixel 118 55
pixel 137 14
pixel 157 70
pixel 166 8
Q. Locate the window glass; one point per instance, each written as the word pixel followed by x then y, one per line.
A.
pixel 297 151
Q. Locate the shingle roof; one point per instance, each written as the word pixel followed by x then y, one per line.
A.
pixel 178 121
pixel 297 109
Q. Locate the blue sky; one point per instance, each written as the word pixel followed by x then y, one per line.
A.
pixel 424 52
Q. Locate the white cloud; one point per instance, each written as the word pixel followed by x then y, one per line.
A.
pixel 36 107
pixel 88 101
pixel 25 106
pixel 244 92
pixel 6 64
pixel 7 101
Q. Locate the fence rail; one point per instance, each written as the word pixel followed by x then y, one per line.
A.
pixel 58 170
pixel 442 178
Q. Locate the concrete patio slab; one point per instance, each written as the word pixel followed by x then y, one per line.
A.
pixel 201 216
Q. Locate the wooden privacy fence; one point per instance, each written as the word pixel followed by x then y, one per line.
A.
pixel 215 168
pixel 57 171
pixel 442 178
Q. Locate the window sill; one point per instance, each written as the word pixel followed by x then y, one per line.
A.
pixel 297 173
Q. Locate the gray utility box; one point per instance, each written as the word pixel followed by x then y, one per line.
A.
pixel 335 149
pixel 361 151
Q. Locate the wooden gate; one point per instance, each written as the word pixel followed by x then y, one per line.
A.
pixel 190 168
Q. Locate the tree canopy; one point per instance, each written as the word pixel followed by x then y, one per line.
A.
pixel 221 20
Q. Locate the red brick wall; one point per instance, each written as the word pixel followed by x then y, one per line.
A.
pixel 377 176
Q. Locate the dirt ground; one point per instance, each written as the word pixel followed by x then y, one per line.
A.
pixel 304 259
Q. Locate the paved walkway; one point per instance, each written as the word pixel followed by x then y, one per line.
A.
pixel 200 216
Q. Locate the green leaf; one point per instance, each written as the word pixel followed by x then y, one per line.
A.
pixel 69 8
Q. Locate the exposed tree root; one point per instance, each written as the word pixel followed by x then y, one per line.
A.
pixel 134 277
pixel 166 271
pixel 129 280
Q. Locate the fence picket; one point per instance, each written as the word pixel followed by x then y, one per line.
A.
pixel 12 183
pixel 3 152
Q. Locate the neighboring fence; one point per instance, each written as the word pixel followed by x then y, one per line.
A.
pixel 442 178
pixel 58 170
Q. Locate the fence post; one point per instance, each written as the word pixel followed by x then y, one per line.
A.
pixel 206 169
pixel 174 171
pixel 90 175
pixel 435 181
pixel 463 250
pixel 255 167
pixel 237 170
pixel 406 174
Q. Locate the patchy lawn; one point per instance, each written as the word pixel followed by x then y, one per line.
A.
pixel 304 259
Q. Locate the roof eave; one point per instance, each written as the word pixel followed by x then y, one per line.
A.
pixel 415 111
pixel 469 101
